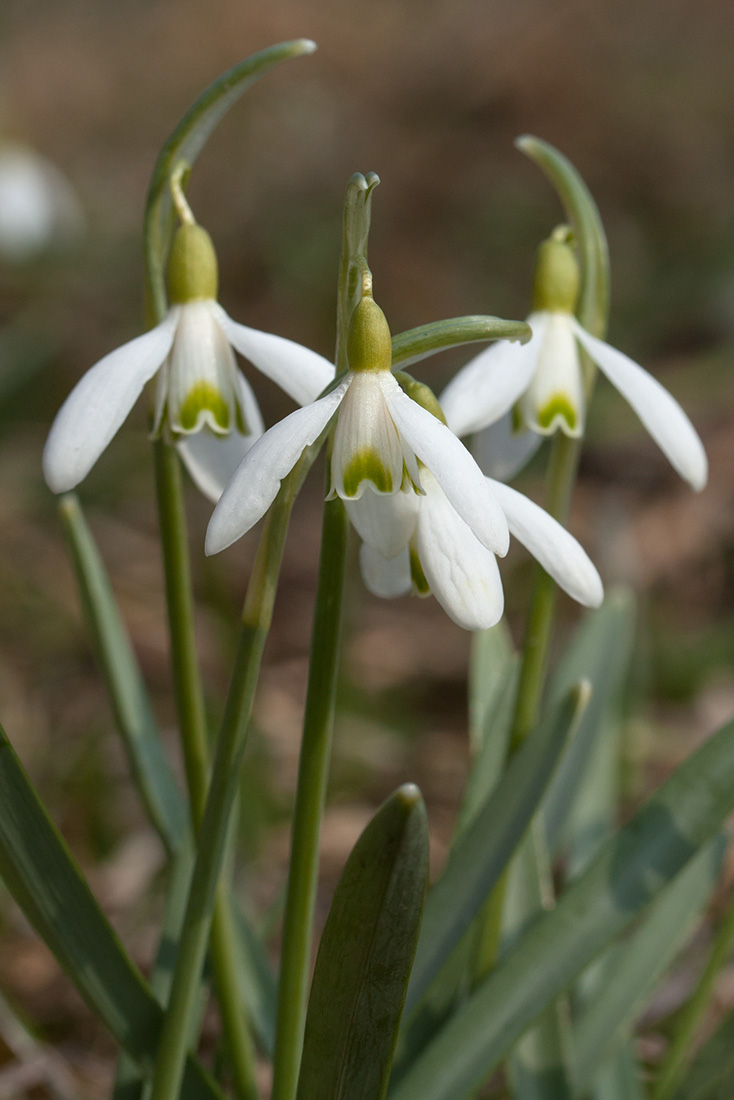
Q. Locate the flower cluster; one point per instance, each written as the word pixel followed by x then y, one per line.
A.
pixel 429 520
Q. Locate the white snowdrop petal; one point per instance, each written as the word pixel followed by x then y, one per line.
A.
pixel 385 577
pixel 302 373
pixel 490 383
pixel 657 409
pixel 552 545
pixel 257 480
pixel 367 454
pixel 453 467
pixel 555 397
pixel 97 406
pixel 461 572
pixel 385 523
pixel 212 459
pixel 502 452
pixel 201 372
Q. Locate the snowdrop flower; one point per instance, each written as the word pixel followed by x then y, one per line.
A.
pixel 38 207
pixel 201 396
pixel 543 379
pixel 421 544
pixel 381 442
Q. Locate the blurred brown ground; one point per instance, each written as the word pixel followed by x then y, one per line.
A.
pixel 430 96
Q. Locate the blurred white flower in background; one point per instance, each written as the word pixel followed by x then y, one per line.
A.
pixel 39 209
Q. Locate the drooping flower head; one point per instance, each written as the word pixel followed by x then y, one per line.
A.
pixel 543 383
pixel 382 440
pixel 203 400
pixel 420 543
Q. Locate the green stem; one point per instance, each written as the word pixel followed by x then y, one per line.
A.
pixel 192 721
pixel 212 836
pixel 691 1016
pixel 313 771
pixel 561 477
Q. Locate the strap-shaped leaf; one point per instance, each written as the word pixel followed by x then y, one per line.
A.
pixel 638 963
pixel 155 779
pixel 482 852
pixel 47 884
pixel 133 713
pixel 185 144
pixel 365 956
pixel 712 1072
pixel 600 653
pixel 629 872
pixel 417 343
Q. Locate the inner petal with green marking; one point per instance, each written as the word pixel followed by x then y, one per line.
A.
pixel 560 411
pixel 204 404
pixel 421 587
pixel 366 465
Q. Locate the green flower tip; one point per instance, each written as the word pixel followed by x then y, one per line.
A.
pixel 366 465
pixel 419 392
pixel 557 278
pixel 192 266
pixel 369 344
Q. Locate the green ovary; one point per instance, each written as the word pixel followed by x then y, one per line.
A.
pixel 366 466
pixel 203 397
pixel 558 406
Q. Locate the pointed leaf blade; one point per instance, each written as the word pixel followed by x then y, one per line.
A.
pixel 628 873
pixel 482 852
pixel 47 884
pixel 365 956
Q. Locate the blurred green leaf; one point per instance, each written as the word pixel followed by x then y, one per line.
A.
pixel 620 1078
pixel 365 956
pixel 185 144
pixel 636 965
pixel 133 713
pixel 47 884
pixel 481 853
pixel 630 870
pixel 711 1075
pixel 417 343
pixel 539 1065
pixel 492 661
pixel 600 653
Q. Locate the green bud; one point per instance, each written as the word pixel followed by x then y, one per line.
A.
pixel 192 266
pixel 557 278
pixel 419 392
pixel 369 345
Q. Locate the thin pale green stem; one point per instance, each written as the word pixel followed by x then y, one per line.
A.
pixel 212 836
pixel 693 1012
pixel 561 478
pixel 313 770
pixel 192 721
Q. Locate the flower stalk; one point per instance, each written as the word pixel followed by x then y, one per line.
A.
pixel 212 835
pixel 313 770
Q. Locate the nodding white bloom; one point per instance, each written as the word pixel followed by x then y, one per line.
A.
pixel 201 395
pixel 421 544
pixel 381 438
pixel 543 379
pixel 38 206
